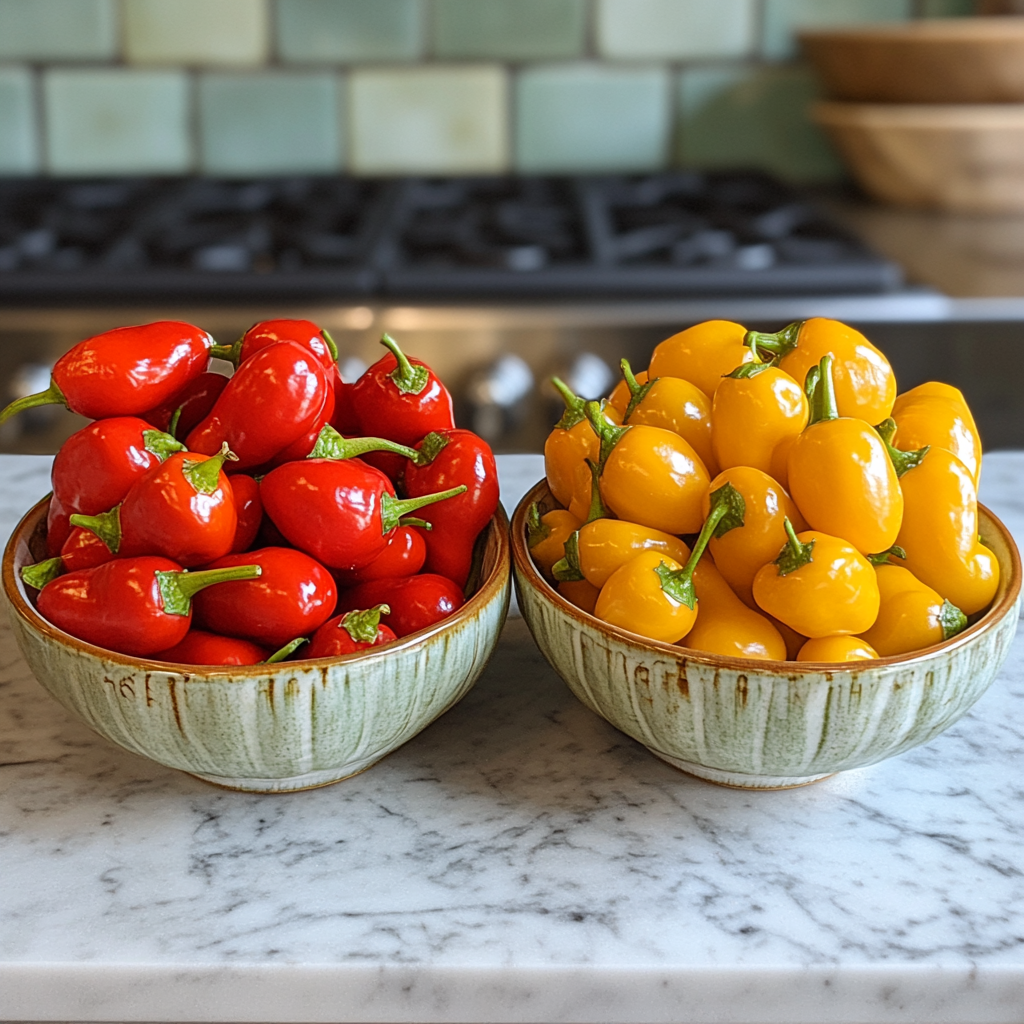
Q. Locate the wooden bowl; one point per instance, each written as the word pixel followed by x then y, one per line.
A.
pixel 264 728
pixel 953 60
pixel 968 159
pixel 766 724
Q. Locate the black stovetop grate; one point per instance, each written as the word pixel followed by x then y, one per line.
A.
pixel 676 234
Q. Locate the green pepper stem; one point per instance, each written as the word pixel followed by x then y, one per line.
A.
pixel 413 521
pixel 574 405
pixel 362 626
pixel 287 651
pixel 794 553
pixel 598 509
pixel 536 529
pixel 204 476
pixel 392 509
pixel 51 396
pixel 178 587
pixel 951 619
pixel 678 583
pixel 778 344
pixel 608 433
pixel 331 445
pixel 567 568
pixel 882 557
pixel 163 444
pixel 330 343
pixel 106 526
pixel 901 461
pixel 430 447
pixel 827 390
pixel 409 379
pixel 232 353
pixel 44 572
pixel 637 391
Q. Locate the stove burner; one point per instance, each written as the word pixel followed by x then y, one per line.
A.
pixel 669 234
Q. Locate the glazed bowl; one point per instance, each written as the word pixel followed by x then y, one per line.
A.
pixel 765 724
pixel 264 728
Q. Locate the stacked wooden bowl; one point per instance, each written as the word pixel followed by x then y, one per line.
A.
pixel 928 113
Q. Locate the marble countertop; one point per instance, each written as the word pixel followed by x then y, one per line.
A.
pixel 520 860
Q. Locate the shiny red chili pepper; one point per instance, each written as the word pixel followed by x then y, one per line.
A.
pixel 97 465
pixel 343 419
pixel 271 401
pixel 293 597
pixel 415 601
pixel 350 632
pixel 340 512
pixel 248 508
pixel 300 448
pixel 136 606
pixel 401 398
pixel 190 406
pixel 269 332
pixel 125 371
pixel 82 550
pixel 450 458
pixel 58 526
pixel 404 555
pixel 201 648
pixel 182 509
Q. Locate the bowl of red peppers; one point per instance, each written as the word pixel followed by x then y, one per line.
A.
pixel 271 579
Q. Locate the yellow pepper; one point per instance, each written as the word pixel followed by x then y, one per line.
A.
pixel 836 648
pixel 741 552
pixel 819 585
pixel 546 535
pixel 600 547
pixel 580 593
pixel 725 625
pixel 911 615
pixel 756 408
pixel 652 594
pixel 940 532
pixel 841 476
pixel 672 404
pixel 649 475
pixel 936 415
pixel 865 385
pixel 570 443
pixel 702 354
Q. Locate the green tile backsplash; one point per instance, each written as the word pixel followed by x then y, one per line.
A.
pixel 251 87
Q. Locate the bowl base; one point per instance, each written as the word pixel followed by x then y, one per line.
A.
pixel 740 780
pixel 293 784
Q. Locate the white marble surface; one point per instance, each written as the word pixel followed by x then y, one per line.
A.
pixel 520 860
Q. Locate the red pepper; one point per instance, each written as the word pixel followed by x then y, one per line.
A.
pixel 294 596
pixel 82 550
pixel 97 465
pixel 137 606
pixel 401 398
pixel 125 371
pixel 268 332
pixel 189 407
pixel 415 601
pixel 183 509
pixel 343 419
pixel 404 555
pixel 271 401
pixel 248 508
pixel 341 512
pixel 450 458
pixel 301 448
pixel 58 526
pixel 353 631
pixel 201 648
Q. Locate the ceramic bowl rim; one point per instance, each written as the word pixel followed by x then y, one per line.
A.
pixel 489 589
pixel 524 563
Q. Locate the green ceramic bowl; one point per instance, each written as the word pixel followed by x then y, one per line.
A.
pixel 264 728
pixel 766 724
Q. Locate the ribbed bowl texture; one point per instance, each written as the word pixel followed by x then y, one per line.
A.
pixel 265 728
pixel 765 724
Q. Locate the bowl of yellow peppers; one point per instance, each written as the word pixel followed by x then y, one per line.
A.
pixel 763 563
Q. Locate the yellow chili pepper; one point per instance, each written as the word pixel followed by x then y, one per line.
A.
pixel 841 476
pixel 580 593
pixel 865 385
pixel 702 354
pixel 725 625
pixel 819 585
pixel 600 547
pixel 911 615
pixel 652 594
pixel 546 535
pixel 570 443
pixel 649 475
pixel 756 408
pixel 940 532
pixel 741 552
pixel 936 415
pixel 836 648
pixel 672 404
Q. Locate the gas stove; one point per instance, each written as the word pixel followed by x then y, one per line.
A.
pixel 670 235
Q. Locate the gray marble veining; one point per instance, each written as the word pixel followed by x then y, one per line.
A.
pixel 519 860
